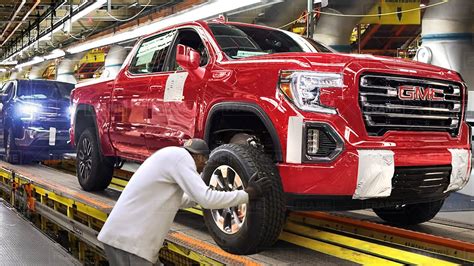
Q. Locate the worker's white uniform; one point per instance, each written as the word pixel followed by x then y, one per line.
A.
pixel 143 214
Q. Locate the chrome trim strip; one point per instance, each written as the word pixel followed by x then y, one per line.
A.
pixel 438 117
pixel 410 107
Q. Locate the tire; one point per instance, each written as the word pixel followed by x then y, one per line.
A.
pixel 11 154
pixel 264 218
pixel 94 171
pixel 410 214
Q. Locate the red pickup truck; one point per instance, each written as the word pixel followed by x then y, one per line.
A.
pixel 334 131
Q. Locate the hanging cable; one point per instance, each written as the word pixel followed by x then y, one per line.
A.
pixel 128 19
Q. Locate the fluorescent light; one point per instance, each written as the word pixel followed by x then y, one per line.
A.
pixel 9 63
pixel 56 53
pixel 207 10
pixel 98 4
pixel 36 60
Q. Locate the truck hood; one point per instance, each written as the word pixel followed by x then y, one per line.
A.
pixel 338 62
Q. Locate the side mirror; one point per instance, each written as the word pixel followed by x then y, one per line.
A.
pixel 187 57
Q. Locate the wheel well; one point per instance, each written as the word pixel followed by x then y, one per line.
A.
pixel 224 124
pixel 85 118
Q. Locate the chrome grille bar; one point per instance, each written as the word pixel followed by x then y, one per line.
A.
pixel 383 110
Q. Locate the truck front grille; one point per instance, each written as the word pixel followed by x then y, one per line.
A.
pixel 409 104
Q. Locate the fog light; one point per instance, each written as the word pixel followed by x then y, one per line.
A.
pixel 312 145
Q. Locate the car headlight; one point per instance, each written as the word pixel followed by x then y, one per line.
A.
pixel 303 88
pixel 27 112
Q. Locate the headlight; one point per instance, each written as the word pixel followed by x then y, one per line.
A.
pixel 304 88
pixel 27 112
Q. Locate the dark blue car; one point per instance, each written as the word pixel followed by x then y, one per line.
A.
pixel 35 119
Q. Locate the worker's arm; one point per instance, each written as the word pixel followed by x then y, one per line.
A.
pixel 188 179
pixel 187 202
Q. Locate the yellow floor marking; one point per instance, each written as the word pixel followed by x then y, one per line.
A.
pixel 365 246
pixel 336 251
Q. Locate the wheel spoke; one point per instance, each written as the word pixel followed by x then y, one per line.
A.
pixel 231 178
pixel 236 218
pixel 228 222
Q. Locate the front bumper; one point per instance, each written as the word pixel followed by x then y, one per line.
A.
pixel 365 170
pixel 50 139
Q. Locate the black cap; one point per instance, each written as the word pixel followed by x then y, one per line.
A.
pixel 197 146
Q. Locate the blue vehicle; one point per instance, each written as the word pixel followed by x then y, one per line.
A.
pixel 35 120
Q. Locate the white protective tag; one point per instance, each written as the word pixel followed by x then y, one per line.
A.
pixel 175 87
pixel 52 136
pixel 461 169
pixel 375 173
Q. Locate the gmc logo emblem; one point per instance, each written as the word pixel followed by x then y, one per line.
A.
pixel 410 93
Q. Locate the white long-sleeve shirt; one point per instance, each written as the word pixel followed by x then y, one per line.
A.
pixel 164 183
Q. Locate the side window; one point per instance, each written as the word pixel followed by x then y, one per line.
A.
pixel 151 54
pixel 191 39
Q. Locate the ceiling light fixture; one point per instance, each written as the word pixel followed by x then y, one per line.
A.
pixel 56 53
pixel 36 60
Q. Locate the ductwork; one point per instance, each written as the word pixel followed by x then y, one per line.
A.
pixel 447 33
pixel 114 61
pixel 336 31
pixel 38 70
pixel 65 69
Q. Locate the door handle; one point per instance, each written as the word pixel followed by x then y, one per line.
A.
pixel 118 89
pixel 157 88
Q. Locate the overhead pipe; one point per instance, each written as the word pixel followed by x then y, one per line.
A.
pixel 23 19
pixel 23 2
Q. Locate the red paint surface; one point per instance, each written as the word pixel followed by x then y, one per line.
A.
pixel 126 129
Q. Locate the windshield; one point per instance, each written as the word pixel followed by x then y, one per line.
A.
pixel 239 41
pixel 41 90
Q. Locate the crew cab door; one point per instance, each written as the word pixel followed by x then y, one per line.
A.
pixel 129 110
pixel 7 92
pixel 173 95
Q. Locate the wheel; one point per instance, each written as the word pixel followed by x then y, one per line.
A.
pixel 410 214
pixel 248 228
pixel 94 171
pixel 11 154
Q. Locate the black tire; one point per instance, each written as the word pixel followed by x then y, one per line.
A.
pixel 94 171
pixel 410 214
pixel 11 153
pixel 264 217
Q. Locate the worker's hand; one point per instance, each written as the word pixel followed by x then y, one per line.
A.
pixel 258 187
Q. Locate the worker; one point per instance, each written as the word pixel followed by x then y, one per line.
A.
pixel 167 181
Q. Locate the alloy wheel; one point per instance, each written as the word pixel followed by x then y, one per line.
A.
pixel 84 155
pixel 229 220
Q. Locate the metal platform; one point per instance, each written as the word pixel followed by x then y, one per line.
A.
pixel 22 244
pixel 51 197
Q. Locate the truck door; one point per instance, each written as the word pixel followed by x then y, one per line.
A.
pixel 7 92
pixel 173 97
pixel 129 110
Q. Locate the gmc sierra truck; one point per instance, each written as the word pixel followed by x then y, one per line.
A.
pixel 333 131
